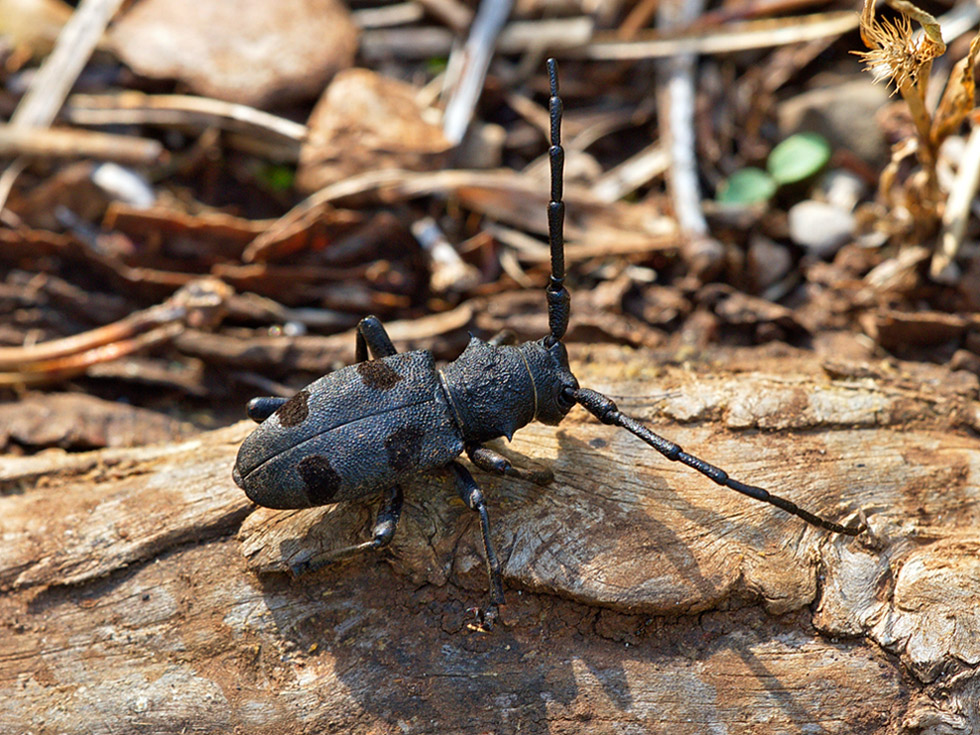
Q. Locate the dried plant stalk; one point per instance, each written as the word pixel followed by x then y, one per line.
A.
pixel 897 54
pixel 958 97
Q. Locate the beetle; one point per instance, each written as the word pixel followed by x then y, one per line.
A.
pixel 366 428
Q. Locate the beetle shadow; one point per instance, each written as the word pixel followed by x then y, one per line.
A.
pixel 795 710
pixel 385 622
pixel 403 656
pixel 569 533
pixel 406 654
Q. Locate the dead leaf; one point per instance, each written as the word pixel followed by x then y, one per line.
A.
pixel 958 98
pixel 364 122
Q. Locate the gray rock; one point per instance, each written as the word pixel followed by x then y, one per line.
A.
pixel 255 53
pixel 820 227
pixel 767 261
pixel 842 188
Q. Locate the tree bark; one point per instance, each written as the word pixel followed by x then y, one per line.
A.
pixel 142 592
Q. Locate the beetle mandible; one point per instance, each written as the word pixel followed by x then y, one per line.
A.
pixel 365 428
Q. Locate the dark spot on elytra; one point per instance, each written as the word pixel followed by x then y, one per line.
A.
pixel 378 374
pixel 404 447
pixel 321 479
pixel 294 411
pixel 597 443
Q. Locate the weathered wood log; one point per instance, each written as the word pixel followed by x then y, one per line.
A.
pixel 143 593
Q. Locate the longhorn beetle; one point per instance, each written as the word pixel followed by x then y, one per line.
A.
pixel 365 428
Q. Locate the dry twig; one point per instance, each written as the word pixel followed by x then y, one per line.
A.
pixel 54 80
pixel 197 305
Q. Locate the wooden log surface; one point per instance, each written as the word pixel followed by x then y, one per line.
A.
pixel 142 592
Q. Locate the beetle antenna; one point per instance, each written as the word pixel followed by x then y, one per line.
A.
pixel 558 299
pixel 605 410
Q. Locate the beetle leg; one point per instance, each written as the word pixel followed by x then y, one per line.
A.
pixel 261 408
pixel 470 493
pixel 387 520
pixel 490 461
pixel 371 334
pixel 383 532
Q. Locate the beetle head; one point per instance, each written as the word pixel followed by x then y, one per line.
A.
pixel 547 361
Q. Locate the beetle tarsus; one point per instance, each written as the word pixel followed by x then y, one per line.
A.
pixel 307 562
pixel 489 616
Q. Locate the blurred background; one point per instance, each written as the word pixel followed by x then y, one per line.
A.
pixel 201 199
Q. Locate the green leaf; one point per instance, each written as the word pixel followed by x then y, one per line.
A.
pixel 798 157
pixel 436 65
pixel 276 177
pixel 747 186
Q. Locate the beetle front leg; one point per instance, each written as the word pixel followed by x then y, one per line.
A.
pixel 494 462
pixel 371 334
pixel 470 493
pixel 383 532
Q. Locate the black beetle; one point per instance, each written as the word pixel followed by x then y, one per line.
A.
pixel 365 428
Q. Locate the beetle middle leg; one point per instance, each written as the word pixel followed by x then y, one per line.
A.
pixel 471 494
pixel 383 532
pixel 371 334
pixel 490 461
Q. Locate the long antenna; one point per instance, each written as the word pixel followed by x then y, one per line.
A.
pixel 604 409
pixel 559 302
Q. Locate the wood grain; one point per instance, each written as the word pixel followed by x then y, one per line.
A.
pixel 141 591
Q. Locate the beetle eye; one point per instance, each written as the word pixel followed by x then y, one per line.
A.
pixel 566 399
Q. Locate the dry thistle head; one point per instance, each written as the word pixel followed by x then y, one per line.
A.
pixel 894 51
pixel 894 55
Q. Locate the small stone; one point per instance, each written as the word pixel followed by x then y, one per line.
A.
pixel 124 184
pixel 819 227
pixel 842 188
pixel 255 53
pixel 767 262
pixel 965 360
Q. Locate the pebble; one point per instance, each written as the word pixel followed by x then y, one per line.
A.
pixel 256 53
pixel 819 227
pixel 768 261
